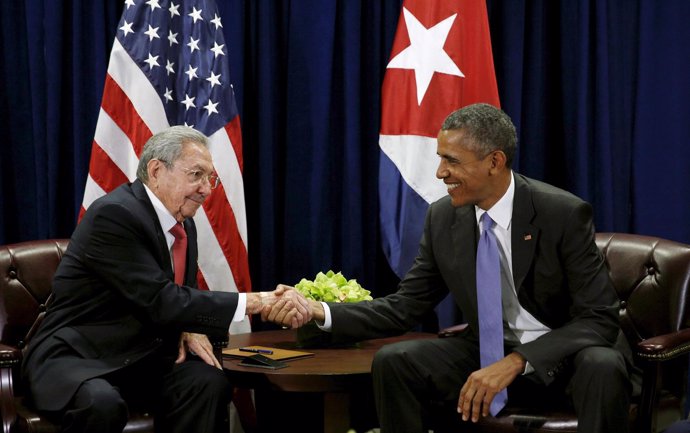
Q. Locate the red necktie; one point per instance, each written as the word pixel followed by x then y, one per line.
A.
pixel 179 252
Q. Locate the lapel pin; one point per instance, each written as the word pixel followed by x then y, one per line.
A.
pixel 528 237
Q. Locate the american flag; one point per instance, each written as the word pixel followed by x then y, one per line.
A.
pixel 169 66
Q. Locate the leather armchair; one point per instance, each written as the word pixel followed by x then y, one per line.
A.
pixel 26 273
pixel 652 278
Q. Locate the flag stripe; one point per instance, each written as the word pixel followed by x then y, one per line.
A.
pixel 124 115
pixel 116 144
pixel 233 131
pixel 91 192
pixel 134 83
pixel 228 168
pixel 415 158
pixel 222 219
pixel 217 273
pixel 105 173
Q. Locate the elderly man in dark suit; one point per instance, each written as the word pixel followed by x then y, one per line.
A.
pixel 556 310
pixel 127 324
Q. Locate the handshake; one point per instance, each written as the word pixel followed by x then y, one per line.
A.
pixel 284 306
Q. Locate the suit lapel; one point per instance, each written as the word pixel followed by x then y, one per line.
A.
pixel 524 235
pixel 464 232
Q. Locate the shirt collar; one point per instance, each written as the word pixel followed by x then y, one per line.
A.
pixel 502 211
pixel 165 218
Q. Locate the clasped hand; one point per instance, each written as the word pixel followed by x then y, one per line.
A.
pixel 284 306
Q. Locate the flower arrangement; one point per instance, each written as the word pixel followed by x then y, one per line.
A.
pixel 328 287
pixel 332 287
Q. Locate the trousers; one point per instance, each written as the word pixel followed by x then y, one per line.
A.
pixel 184 398
pixel 414 380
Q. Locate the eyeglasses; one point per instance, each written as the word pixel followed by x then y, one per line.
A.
pixel 196 177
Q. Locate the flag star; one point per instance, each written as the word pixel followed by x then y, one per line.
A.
pixel 191 73
pixel 196 14
pixel 216 21
pixel 152 61
pixel 173 10
pixel 127 28
pixel 129 3
pixel 154 4
pixel 152 33
pixel 217 49
pixel 172 37
pixel 214 79
pixel 167 95
pixel 188 102
pixel 193 44
pixel 169 67
pixel 211 107
pixel 425 54
pixel 188 126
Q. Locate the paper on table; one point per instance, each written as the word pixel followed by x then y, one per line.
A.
pixel 278 354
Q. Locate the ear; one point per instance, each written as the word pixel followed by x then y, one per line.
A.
pixel 498 160
pixel 153 168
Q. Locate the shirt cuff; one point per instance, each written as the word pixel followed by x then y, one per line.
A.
pixel 528 368
pixel 241 307
pixel 326 318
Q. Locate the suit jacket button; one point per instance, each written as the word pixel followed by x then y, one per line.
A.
pixel 126 361
pixel 550 373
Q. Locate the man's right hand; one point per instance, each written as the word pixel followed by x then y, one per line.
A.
pixel 280 310
pixel 291 307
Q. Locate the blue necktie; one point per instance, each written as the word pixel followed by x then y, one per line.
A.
pixel 489 306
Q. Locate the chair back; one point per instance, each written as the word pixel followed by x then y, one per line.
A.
pixel 652 278
pixel 28 270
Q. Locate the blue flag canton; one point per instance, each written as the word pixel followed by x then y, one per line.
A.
pixel 179 45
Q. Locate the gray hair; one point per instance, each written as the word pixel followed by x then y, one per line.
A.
pixel 490 128
pixel 166 146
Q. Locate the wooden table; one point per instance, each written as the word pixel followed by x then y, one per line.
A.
pixel 333 378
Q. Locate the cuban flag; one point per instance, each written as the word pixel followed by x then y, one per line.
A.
pixel 441 60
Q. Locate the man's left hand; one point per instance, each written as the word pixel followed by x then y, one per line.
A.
pixel 482 386
pixel 196 344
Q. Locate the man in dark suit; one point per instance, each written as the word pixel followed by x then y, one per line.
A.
pixel 127 325
pixel 559 309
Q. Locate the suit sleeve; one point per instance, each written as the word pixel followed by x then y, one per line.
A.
pixel 418 293
pixel 593 315
pixel 122 251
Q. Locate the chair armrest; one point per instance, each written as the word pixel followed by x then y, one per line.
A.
pixel 665 347
pixel 452 330
pixel 9 356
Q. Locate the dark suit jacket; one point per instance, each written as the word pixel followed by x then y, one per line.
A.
pixel 115 300
pixel 559 275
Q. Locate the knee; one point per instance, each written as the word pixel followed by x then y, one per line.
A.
pixel 393 358
pixel 604 363
pixel 603 360
pixel 212 380
pixel 109 405
pixel 388 356
pixel 100 403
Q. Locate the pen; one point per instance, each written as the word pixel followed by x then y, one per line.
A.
pixel 249 349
